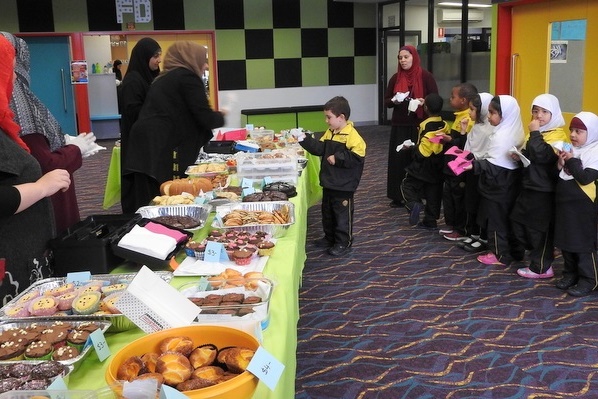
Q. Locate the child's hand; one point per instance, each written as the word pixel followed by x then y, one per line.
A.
pixel 565 155
pixel 331 160
pixel 464 125
pixel 534 125
pixel 445 138
pixel 515 157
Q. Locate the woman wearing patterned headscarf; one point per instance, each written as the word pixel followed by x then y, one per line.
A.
pixel 410 82
pixel 26 222
pixel 175 122
pixel 532 218
pixel 576 216
pixel 45 138
pixel 143 68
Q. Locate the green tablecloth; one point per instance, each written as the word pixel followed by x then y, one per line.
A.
pixel 112 191
pixel 284 267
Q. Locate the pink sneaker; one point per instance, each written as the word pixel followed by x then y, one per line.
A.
pixel 527 273
pixel 489 259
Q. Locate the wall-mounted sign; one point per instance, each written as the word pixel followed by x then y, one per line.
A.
pixel 558 51
pixel 142 9
pixel 79 72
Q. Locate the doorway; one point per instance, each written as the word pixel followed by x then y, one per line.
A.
pixel 391 45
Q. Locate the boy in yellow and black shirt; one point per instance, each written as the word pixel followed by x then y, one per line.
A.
pixel 453 196
pixel 342 152
pixel 424 178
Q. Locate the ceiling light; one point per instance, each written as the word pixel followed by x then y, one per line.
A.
pixel 473 5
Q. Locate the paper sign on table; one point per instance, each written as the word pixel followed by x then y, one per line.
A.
pixel 245 182
pixel 248 190
pixel 266 367
pixel 100 345
pixel 153 304
pixel 215 252
pixel 267 180
pixel 57 385
pixel 78 278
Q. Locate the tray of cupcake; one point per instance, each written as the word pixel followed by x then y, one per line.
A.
pixel 56 299
pixel 63 341
pixel 30 376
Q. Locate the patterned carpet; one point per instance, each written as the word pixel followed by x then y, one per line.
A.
pixel 409 315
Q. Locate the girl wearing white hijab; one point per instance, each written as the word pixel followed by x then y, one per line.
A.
pixel 576 217
pixel 477 143
pixel 532 219
pixel 498 181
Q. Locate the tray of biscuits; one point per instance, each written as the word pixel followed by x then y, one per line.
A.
pixel 55 298
pixel 64 341
pixel 272 217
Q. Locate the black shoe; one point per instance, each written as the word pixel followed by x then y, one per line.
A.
pixel 339 250
pixel 323 243
pixel 476 246
pixel 566 282
pixel 426 226
pixel 416 209
pixel 463 243
pixel 576 290
pixel 396 204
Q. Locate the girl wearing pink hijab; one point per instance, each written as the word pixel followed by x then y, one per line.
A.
pixel 410 82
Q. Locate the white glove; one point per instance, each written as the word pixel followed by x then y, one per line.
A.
pixel 298 134
pixel 406 144
pixel 84 141
pixel 400 97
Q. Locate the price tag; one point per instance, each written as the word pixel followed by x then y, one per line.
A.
pixel 249 126
pixel 203 284
pixel 248 190
pixel 215 252
pixel 200 200
pixel 246 182
pixel 266 367
pixel 78 278
pixel 167 392
pixel 267 180
pixel 99 343
pixel 57 385
pixel 218 219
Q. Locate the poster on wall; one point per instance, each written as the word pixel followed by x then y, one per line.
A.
pixel 558 51
pixel 79 72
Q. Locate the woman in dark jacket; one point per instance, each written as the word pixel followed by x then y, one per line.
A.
pixel 143 68
pixel 412 78
pixel 175 122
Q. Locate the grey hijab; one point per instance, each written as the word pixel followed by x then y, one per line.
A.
pixel 30 113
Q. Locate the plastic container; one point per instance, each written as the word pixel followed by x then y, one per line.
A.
pixel 240 387
pixel 261 136
pixel 248 287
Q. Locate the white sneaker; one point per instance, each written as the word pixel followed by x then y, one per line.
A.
pixel 446 230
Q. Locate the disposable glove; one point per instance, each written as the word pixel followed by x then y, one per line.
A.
pixel 298 134
pixel 84 141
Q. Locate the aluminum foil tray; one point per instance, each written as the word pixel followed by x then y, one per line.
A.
pixel 118 322
pixel 198 212
pixel 275 230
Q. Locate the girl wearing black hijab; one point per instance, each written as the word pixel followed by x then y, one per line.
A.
pixel 143 68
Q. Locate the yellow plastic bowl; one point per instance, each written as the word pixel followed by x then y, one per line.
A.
pixel 240 387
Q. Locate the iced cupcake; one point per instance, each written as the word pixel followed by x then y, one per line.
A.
pixel 265 248
pixel 242 257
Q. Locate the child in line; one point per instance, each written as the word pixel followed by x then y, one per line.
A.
pixel 423 178
pixel 476 143
pixel 576 216
pixel 453 196
pixel 498 181
pixel 533 215
pixel 342 152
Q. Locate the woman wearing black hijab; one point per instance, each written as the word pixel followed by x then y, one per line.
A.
pixel 143 68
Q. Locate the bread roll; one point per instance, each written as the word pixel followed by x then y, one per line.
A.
pixel 130 368
pixel 183 345
pixel 203 356
pixel 174 367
